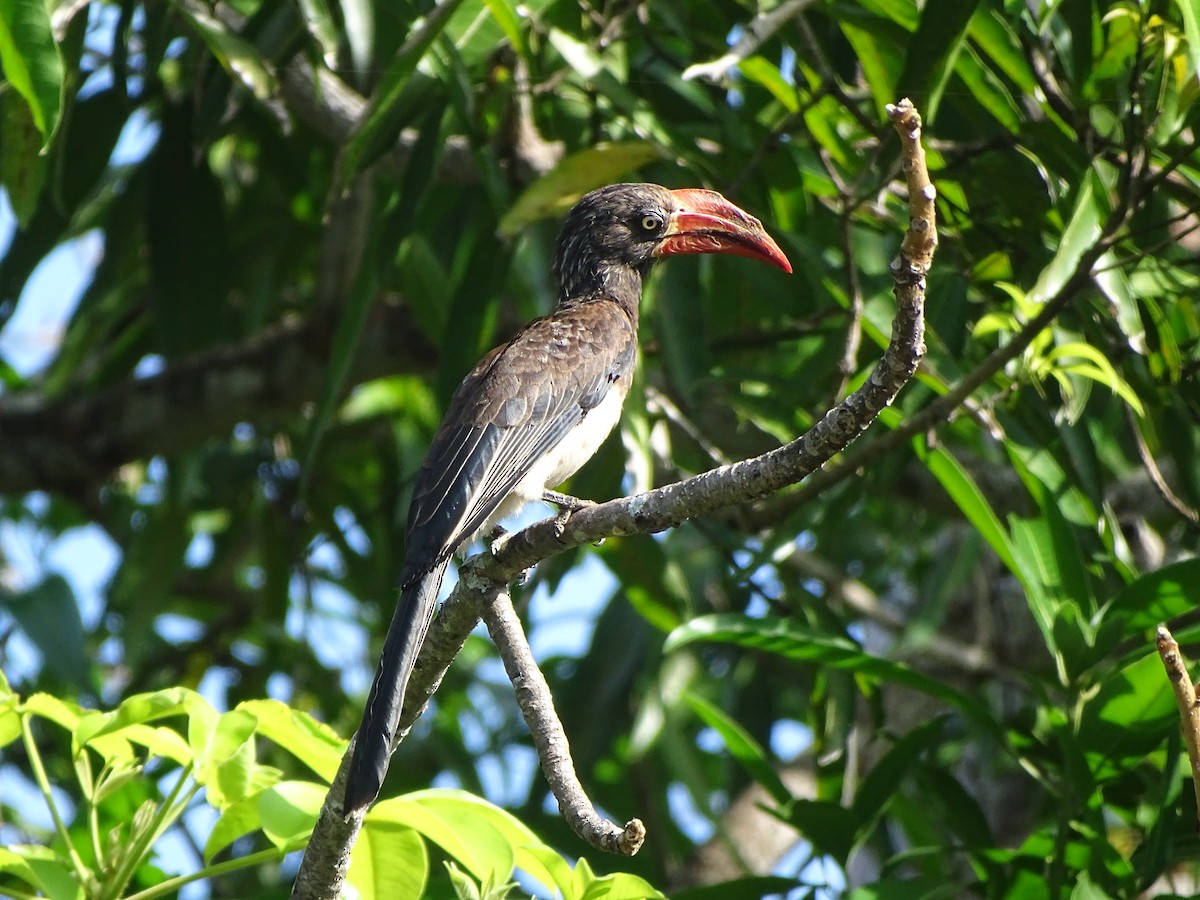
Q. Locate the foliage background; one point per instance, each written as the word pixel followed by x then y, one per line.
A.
pixel 936 670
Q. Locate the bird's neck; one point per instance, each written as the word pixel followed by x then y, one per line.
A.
pixel 619 283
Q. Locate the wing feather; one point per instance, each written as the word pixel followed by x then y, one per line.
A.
pixel 517 405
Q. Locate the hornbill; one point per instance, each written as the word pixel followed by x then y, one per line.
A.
pixel 535 409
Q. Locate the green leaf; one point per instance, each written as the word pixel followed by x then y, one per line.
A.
pixel 1056 583
pixel 478 835
pixel 240 58
pixel 142 708
pixel 1129 717
pixel 428 285
pixel 932 51
pixel 31 61
pixel 599 70
pixel 324 30
pixel 392 103
pixel 22 165
pixel 48 613
pixel 829 825
pixel 546 865
pixel 1159 596
pixel 754 887
pixel 1191 28
pixel 995 36
pixel 877 47
pixel 1100 370
pixel 785 638
pixel 900 888
pixel 619 886
pixel 970 500
pixel 64 713
pixel 289 810
pixel 10 723
pixel 389 860
pixel 989 91
pixel 359 19
pixel 766 73
pixel 887 776
pixel 1078 237
pixel 313 743
pixel 508 18
pixel 237 819
pixel 111 734
pixel 558 190
pixel 742 746
pixel 348 334
pixel 41 868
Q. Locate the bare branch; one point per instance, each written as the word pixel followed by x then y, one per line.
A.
pixel 77 440
pixel 757 32
pixel 327 858
pixel 1155 474
pixel 1185 697
pixel 554 753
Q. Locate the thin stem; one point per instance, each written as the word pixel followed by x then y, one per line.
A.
pixel 39 775
pixel 93 812
pixel 222 868
pixel 168 811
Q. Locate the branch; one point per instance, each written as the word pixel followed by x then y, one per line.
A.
pixel 1185 697
pixel 335 110
pixel 69 443
pixel 940 410
pixel 322 874
pixel 327 856
pixel 757 33
pixel 554 753
pixel 483 580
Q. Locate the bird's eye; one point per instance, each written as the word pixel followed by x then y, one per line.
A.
pixel 651 223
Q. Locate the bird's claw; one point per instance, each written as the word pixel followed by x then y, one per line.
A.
pixel 567 506
pixel 497 539
pixel 560 522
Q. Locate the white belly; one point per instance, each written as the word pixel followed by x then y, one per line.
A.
pixel 564 460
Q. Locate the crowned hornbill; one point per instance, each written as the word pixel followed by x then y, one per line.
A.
pixel 535 409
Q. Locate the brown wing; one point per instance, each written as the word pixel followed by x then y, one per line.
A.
pixel 519 402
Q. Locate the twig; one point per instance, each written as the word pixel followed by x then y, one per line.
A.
pixel 757 32
pixel 657 401
pixel 1185 697
pixel 1155 474
pixel 554 753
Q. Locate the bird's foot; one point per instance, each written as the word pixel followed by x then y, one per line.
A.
pixel 566 501
pixel 567 506
pixel 496 540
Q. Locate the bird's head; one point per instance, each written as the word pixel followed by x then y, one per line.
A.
pixel 626 227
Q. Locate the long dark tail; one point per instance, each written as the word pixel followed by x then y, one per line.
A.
pixel 377 733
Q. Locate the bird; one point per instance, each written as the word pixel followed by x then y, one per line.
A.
pixel 535 409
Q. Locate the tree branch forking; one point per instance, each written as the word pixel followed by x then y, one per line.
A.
pixel 482 587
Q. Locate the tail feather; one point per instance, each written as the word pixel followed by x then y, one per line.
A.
pixel 377 732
